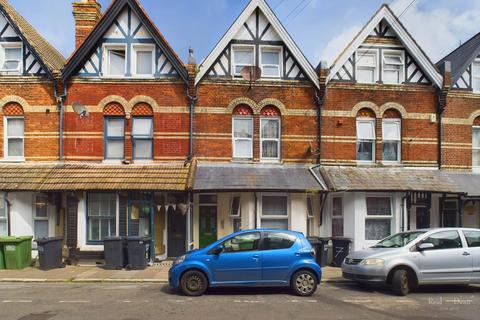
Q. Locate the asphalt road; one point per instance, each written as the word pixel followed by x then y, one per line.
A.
pixel 23 301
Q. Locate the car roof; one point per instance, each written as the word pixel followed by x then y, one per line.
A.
pixel 296 233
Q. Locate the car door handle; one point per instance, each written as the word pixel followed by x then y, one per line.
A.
pixel 256 257
pixel 465 254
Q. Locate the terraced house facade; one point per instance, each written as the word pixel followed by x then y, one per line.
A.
pixel 124 138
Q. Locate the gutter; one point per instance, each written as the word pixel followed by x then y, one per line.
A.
pixel 324 186
pixel 60 101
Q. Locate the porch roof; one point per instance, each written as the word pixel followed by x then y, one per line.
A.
pixel 390 179
pixel 81 176
pixel 467 182
pixel 250 177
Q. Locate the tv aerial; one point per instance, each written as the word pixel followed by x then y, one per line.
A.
pixel 80 109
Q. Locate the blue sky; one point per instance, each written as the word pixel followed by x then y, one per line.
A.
pixel 321 28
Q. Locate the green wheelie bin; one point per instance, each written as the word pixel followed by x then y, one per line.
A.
pixel 2 258
pixel 17 252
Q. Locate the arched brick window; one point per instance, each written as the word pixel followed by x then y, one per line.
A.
pixel 114 127
pixel 142 131
pixel 391 136
pixel 270 133
pixel 14 124
pixel 366 135
pixel 476 144
pixel 242 132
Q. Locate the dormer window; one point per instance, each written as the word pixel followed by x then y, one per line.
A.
pixel 144 60
pixel 243 56
pixel 367 66
pixel 393 66
pixel 116 58
pixel 270 62
pixel 11 58
pixel 476 76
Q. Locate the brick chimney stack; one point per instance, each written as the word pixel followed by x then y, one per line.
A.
pixel 86 14
pixel 192 72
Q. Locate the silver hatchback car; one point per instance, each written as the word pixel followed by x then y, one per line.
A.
pixel 408 259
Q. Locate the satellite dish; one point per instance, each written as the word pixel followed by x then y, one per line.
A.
pixel 251 73
pixel 80 109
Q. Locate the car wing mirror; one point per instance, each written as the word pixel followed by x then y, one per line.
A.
pixel 425 246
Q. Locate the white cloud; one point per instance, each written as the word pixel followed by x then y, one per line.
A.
pixel 336 45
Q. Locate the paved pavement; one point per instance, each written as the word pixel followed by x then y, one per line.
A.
pixel 158 273
pixel 135 301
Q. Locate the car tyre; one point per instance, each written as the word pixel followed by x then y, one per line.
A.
pixel 304 283
pixel 193 283
pixel 401 282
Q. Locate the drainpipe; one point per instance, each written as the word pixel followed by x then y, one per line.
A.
pixel 441 105
pixel 7 208
pixel 191 87
pixel 192 100
pixel 60 99
pixel 320 96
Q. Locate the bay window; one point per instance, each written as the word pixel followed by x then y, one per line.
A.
pixel 40 219
pixel 337 217
pixel 476 75
pixel 476 147
pixel 378 222
pixel 11 58
pixel 116 60
pixel 391 140
pixel 114 138
pixel 101 216
pixel 366 66
pixel 270 138
pixel 3 217
pixel 366 140
pixel 144 60
pixel 393 67
pixel 142 137
pixel 243 56
pixel 243 137
pixel 14 138
pixel 274 212
pixel 270 62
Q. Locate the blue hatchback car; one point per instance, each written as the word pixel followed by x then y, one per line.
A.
pixel 250 258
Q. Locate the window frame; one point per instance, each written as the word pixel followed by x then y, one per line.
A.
pixel 234 139
pixel 36 218
pixel 262 217
pixel 399 141
pixel 260 238
pixel 277 140
pixel 398 53
pixel 379 217
pixel 276 49
pixel 338 217
pixel 88 218
pixel 108 138
pixel 241 47
pixel 142 48
pixel 475 76
pixel 6 138
pixel 142 137
pixel 106 60
pixel 475 128
pixel 11 45
pixel 359 53
pixel 372 121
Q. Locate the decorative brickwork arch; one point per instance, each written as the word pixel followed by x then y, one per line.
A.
pixel 114 99
pixel 113 109
pixel 365 113
pixel 15 99
pixel 476 122
pixel 242 110
pixel 142 99
pixel 270 111
pixel 366 105
pixel 243 100
pixel 12 109
pixel 393 105
pixel 273 102
pixel 142 109
pixel 392 114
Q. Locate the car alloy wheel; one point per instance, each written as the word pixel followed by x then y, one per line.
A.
pixel 401 282
pixel 304 283
pixel 193 283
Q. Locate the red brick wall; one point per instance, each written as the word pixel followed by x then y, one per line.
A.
pixel 419 134
pixel 213 118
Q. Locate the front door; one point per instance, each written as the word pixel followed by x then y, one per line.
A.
pixel 140 217
pixel 177 232
pixel 207 225
pixel 240 261
pixel 423 218
pixel 447 261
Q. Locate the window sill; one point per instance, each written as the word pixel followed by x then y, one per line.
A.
pixel 242 160
pixel 142 161
pixel 366 163
pixel 12 160
pixel 113 161
pixel 391 163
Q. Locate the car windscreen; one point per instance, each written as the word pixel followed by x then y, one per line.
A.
pixel 398 240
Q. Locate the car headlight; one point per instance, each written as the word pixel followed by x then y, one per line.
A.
pixel 179 260
pixel 372 262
